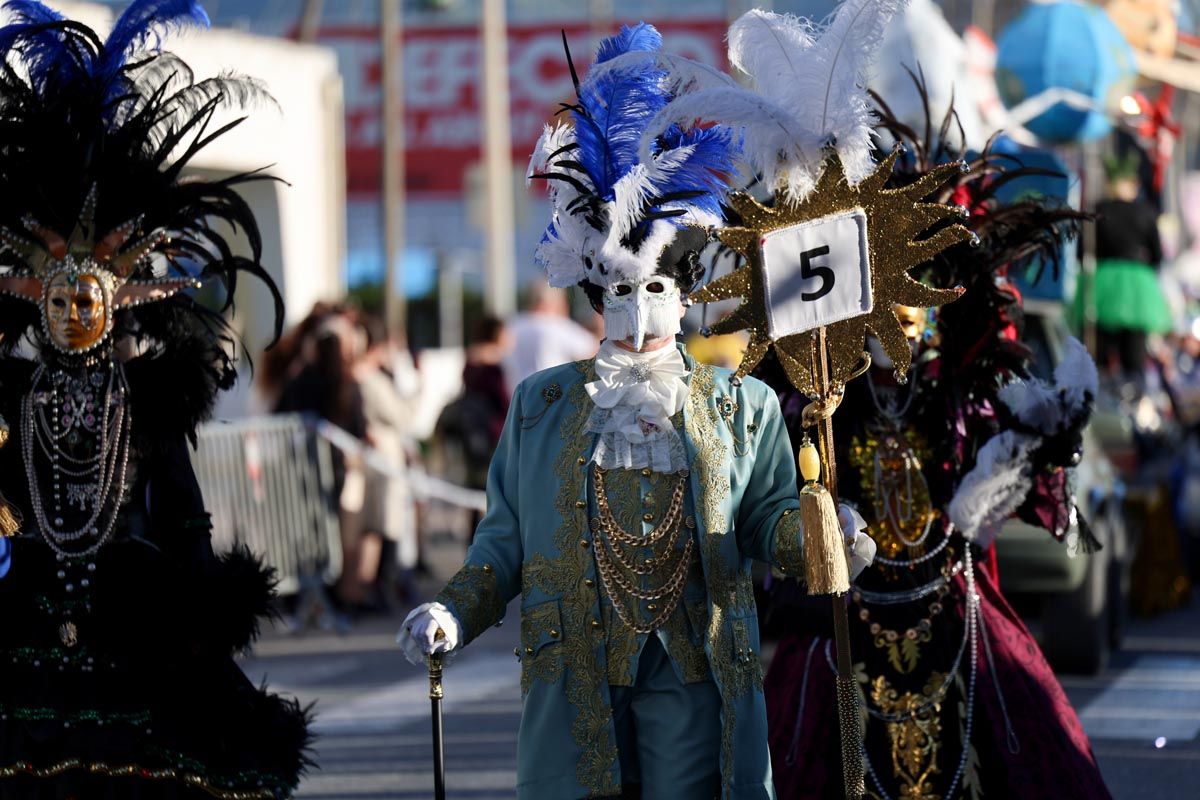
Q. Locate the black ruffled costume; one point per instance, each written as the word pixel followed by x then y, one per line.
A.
pixel 116 671
pixel 150 687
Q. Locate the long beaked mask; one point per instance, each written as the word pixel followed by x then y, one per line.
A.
pixel 640 310
pixel 79 283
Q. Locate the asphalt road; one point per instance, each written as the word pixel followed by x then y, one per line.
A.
pixel 1143 712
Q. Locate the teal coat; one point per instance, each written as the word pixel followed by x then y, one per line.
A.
pixel 535 540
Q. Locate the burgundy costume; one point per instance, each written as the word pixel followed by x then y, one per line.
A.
pixel 960 702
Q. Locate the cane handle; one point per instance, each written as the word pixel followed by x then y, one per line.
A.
pixel 435 668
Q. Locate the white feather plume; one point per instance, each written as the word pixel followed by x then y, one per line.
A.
pixel 553 138
pixel 1049 408
pixel 629 197
pixel 771 49
pixel 834 82
pixel 993 491
pixel 1003 473
pixel 807 92
pixel 1076 373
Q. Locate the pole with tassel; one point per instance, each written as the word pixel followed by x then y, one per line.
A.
pixel 826 571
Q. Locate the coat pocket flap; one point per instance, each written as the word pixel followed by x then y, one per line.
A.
pixel 541 625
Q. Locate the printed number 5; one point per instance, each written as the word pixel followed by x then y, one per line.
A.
pixel 807 270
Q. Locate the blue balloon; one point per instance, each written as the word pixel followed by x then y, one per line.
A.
pixel 1065 45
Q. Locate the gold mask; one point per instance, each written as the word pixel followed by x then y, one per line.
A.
pixel 76 309
pixel 913 321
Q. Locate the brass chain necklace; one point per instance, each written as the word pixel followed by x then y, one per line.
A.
pixel 611 538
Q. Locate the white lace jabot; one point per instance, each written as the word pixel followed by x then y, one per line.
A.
pixel 635 396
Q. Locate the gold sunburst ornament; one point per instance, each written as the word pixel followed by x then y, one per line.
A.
pixel 894 224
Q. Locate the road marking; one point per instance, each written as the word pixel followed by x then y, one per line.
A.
pixel 469 680
pixel 1142 703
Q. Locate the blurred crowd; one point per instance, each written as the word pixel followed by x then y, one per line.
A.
pixel 341 365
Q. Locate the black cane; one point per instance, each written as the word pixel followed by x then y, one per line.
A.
pixel 435 707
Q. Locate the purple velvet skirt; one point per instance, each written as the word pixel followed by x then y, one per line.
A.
pixel 1026 740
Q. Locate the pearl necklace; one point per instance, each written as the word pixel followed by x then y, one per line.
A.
pixel 70 419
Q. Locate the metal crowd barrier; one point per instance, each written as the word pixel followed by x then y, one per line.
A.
pixel 268 483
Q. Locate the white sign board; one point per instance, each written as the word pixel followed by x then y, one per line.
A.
pixel 816 273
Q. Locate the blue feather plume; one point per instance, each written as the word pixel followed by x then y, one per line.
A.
pixel 614 109
pixel 46 53
pixel 142 21
pixel 712 160
pixel 642 36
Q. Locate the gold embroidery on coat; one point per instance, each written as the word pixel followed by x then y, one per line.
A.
pixel 541 644
pixel 729 592
pixel 789 543
pixel 474 595
pixel 582 645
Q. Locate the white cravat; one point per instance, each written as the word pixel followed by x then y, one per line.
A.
pixel 635 395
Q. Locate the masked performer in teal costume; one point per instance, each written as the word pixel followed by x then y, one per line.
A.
pixel 120 621
pixel 630 492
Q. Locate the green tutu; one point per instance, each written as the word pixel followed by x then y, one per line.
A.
pixel 1127 296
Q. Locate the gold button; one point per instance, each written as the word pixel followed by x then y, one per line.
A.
pixel 648 500
pixel 685 472
pixel 517 652
pixel 646 472
pixel 580 504
pixel 595 623
pixel 487 568
pixel 553 633
pixel 788 511
pixel 588 582
pixel 651 607
pixel 648 517
pixel 581 461
pixel 528 651
pixel 583 543
pixel 690 522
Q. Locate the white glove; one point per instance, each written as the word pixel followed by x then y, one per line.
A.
pixel 860 548
pixel 418 634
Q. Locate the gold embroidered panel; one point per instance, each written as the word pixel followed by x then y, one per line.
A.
pixel 474 596
pixel 563 575
pixel 789 543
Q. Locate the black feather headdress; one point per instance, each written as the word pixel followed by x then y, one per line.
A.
pixel 96 140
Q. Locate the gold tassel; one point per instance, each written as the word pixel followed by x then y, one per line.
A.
pixel 9 524
pixel 824 548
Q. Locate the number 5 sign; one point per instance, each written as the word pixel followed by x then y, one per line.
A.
pixel 816 273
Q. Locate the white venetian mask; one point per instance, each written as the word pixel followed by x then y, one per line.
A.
pixel 639 310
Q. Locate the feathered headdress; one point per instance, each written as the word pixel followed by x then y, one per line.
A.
pixel 616 214
pixel 95 137
pixel 807 93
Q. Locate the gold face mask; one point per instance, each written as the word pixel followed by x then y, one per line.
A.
pixel 913 321
pixel 76 309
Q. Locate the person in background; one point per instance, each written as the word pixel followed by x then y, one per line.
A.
pixel 325 387
pixel 387 545
pixel 1125 294
pixel 544 335
pixel 474 421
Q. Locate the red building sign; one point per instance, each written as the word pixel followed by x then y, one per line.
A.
pixel 442 109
